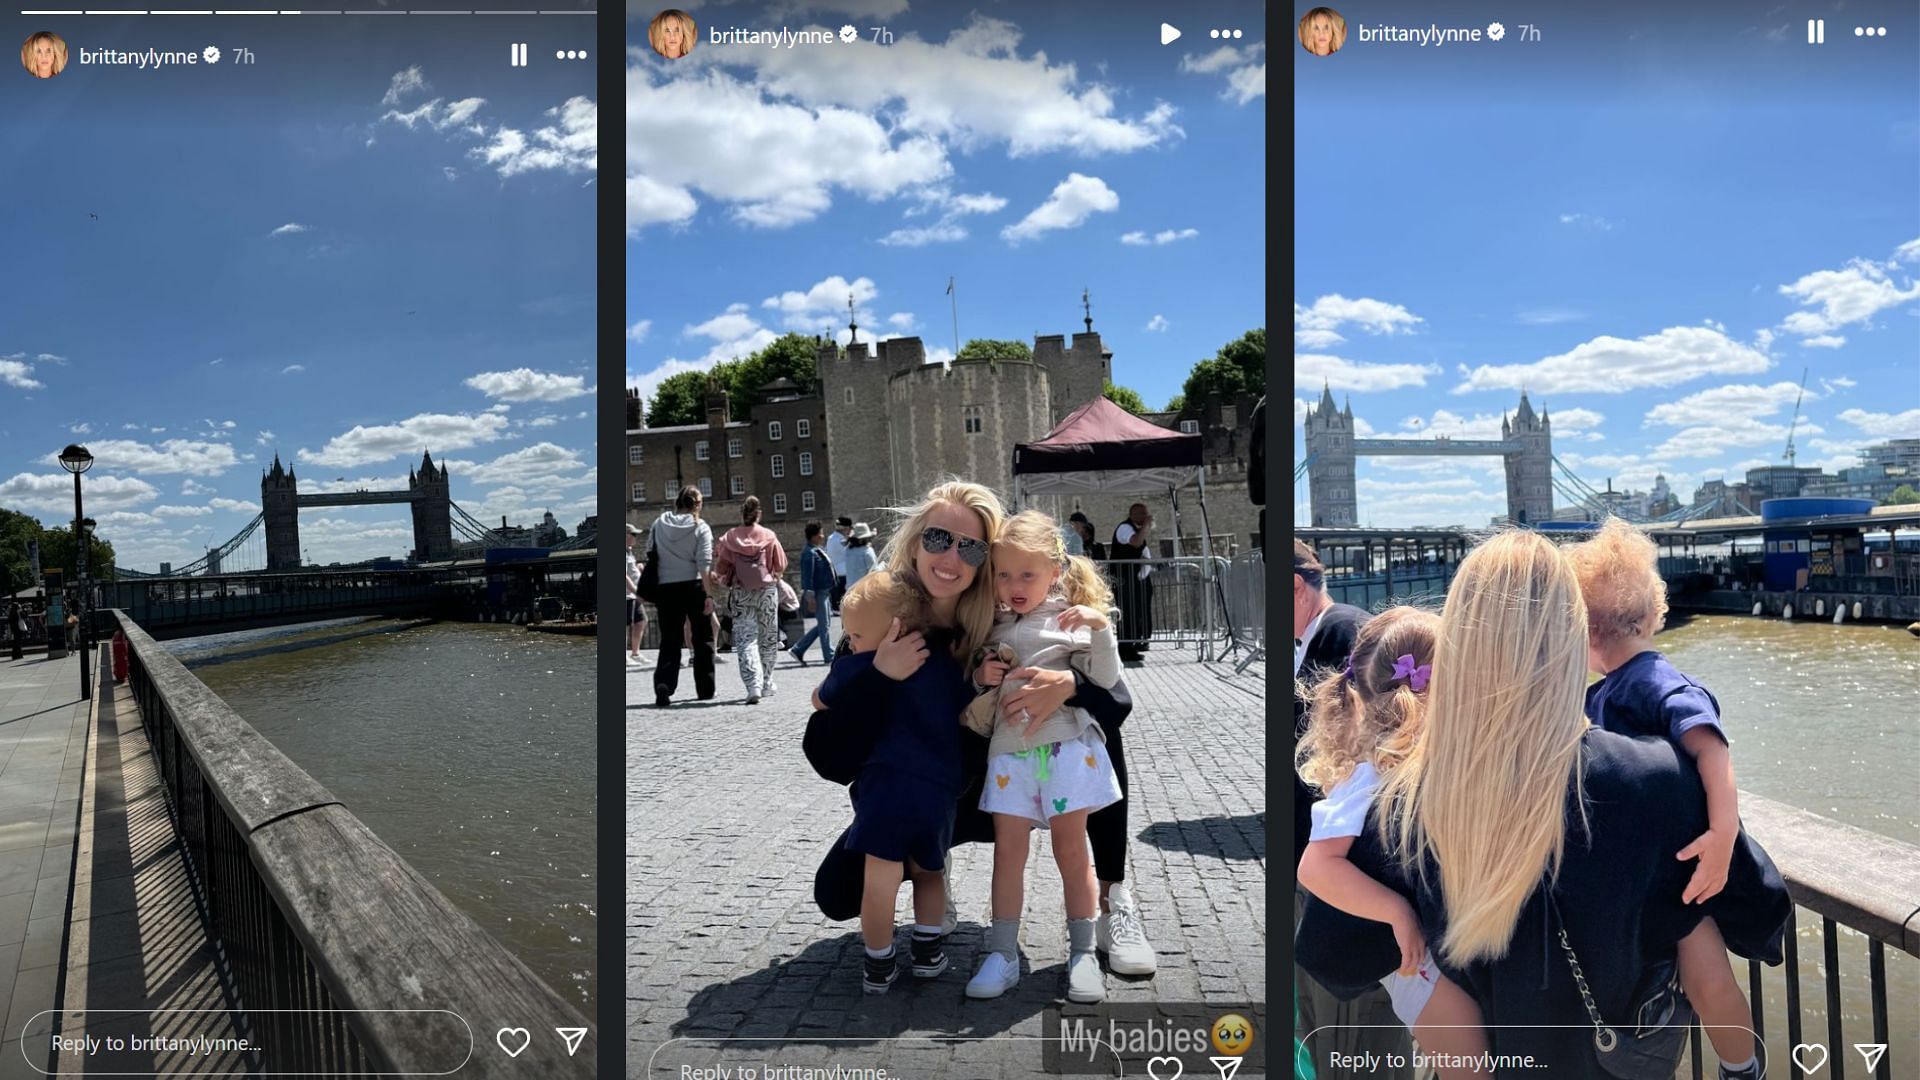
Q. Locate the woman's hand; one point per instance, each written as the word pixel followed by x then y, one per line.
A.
pixel 992 671
pixel 900 655
pixel 1715 851
pixel 1082 615
pixel 818 705
pixel 1045 693
pixel 1406 934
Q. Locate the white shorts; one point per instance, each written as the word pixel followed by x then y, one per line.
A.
pixel 1049 780
pixel 1410 993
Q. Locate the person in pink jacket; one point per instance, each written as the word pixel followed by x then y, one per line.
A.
pixel 750 561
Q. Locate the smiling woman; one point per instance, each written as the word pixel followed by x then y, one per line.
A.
pixel 672 33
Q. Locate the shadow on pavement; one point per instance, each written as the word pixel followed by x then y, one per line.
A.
pixel 1240 838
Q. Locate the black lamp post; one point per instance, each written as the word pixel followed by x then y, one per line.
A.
pixel 76 460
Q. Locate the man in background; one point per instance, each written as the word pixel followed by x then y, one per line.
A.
pixel 837 557
pixel 1133 539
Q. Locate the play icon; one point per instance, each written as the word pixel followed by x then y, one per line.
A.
pixel 1871 1052
pixel 573 1036
pixel 1169 33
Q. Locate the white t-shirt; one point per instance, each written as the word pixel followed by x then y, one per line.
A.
pixel 1344 811
pixel 837 553
pixel 1124 534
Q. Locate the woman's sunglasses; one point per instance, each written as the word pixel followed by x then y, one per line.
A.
pixel 935 540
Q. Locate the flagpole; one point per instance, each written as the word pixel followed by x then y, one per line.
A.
pixel 953 296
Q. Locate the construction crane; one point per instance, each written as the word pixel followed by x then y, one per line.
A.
pixel 1796 418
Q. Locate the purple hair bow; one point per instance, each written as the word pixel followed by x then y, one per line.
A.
pixel 1416 675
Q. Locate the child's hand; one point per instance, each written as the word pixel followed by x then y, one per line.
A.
pixel 1082 615
pixel 1715 851
pixel 1406 934
pixel 992 671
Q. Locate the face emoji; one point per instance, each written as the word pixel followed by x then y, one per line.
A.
pixel 1232 1035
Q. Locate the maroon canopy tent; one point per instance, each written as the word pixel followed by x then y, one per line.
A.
pixel 1101 448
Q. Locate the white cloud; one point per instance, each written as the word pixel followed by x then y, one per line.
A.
pixel 16 372
pixel 292 368
pixel 1164 236
pixel 341 484
pixel 1073 200
pixel 404 82
pixel 637 333
pixel 431 431
pixel 942 232
pixel 1157 324
pixel 1591 221
pixel 543 421
pixel 1313 370
pixel 901 320
pixel 289 229
pixel 190 487
pixel 1838 298
pixel 819 308
pixel 80 428
pixel 951 208
pixel 1317 327
pixel 1903 425
pixel 182 511
pixel 1316 339
pixel 242 505
pixel 1824 341
pixel 543 463
pixel 1609 364
pixel 650 202
pixel 1245 68
pixel 440 115
pixel 1907 252
pixel 54 493
pixel 1549 316
pixel 264 438
pixel 1727 432
pixel 1708 406
pixel 569 143
pixel 173 456
pixel 525 384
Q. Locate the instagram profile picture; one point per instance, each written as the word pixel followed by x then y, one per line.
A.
pixel 1323 31
pixel 44 55
pixel 672 33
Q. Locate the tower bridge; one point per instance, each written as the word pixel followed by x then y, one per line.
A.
pixel 427 491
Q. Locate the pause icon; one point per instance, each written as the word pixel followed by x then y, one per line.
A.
pixel 519 55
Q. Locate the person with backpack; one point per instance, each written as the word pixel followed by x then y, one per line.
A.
pixel 679 552
pixel 749 560
pixel 817 580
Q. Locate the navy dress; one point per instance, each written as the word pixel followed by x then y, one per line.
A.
pixel 905 791
pixel 1618 894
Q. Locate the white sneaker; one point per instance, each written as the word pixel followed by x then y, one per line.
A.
pixel 996 976
pixel 1121 936
pixel 1086 983
pixel 767 689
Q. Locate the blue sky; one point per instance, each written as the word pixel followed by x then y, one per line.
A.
pixel 1026 152
pixel 1651 219
pixel 363 246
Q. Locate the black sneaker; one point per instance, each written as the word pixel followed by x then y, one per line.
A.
pixel 660 700
pixel 1756 1071
pixel 880 973
pixel 929 956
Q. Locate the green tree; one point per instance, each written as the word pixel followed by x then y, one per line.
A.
pixel 1904 495
pixel 16 529
pixel 56 549
pixel 790 356
pixel 1176 403
pixel 1126 398
pixel 992 349
pixel 680 398
pixel 1240 367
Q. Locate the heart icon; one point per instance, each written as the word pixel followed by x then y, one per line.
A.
pixel 1154 1065
pixel 1001 780
pixel 1811 1057
pixel 506 1036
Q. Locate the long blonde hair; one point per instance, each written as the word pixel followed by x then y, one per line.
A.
pixel 974 612
pixel 1484 794
pixel 59 51
pixel 657 34
pixel 1374 713
pixel 1038 534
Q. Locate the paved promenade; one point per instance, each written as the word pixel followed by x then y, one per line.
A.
pixel 726 824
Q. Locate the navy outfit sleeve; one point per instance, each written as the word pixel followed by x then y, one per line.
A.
pixel 839 739
pixel 1108 707
pixel 1689 706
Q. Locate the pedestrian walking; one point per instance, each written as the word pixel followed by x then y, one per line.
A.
pixel 750 561
pixel 859 559
pixel 683 544
pixel 16 627
pixel 636 610
pixel 837 554
pixel 817 580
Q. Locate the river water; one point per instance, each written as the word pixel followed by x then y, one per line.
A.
pixel 468 748
pixel 1825 718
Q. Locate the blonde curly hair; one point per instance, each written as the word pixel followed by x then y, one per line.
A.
pixel 1619 575
pixel 1372 715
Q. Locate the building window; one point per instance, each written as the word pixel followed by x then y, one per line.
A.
pixel 803 429
pixel 974 419
pixel 1189 427
pixel 779 465
pixel 733 448
pixel 806 463
pixel 773 431
pixel 706 487
pixel 779 503
pixel 700 450
pixel 737 484
pixel 640 491
pixel 849 395
pixel 806 502
pixel 636 454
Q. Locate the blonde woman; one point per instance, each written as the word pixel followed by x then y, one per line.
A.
pixel 44 55
pixel 672 33
pixel 1531 843
pixel 1323 31
pixel 945 540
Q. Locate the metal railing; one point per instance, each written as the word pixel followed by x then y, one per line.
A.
pixel 1424 582
pixel 1243 588
pixel 1180 603
pixel 1858 885
pixel 344 959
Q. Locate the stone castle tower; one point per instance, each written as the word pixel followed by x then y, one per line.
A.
pixel 280 509
pixel 1529 472
pixel 432 511
pixel 939 420
pixel 1330 477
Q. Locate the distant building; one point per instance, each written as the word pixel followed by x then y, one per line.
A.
pixel 1779 481
pixel 1883 468
pixel 1736 500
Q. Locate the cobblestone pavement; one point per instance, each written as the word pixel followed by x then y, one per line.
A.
pixel 726 824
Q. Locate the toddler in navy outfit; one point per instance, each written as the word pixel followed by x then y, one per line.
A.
pixel 1642 694
pixel 905 796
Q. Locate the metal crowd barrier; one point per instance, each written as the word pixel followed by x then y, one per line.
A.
pixel 1243 587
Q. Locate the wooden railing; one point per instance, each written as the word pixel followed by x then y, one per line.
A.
pixel 345 959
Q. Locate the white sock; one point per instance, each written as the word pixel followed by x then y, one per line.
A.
pixel 1740 1066
pixel 880 954
pixel 922 930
